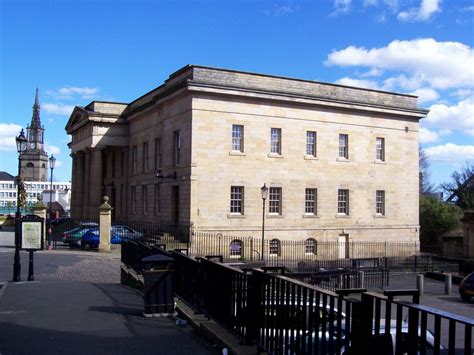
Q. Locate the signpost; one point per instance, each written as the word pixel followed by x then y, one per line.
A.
pixel 31 238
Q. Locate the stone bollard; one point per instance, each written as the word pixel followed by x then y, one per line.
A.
pixel 420 283
pixel 447 284
pixel 105 222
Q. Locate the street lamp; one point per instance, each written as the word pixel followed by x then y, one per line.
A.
pixel 21 142
pixel 264 191
pixel 52 163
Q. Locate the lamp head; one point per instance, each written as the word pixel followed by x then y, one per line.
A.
pixel 21 142
pixel 52 161
pixel 264 191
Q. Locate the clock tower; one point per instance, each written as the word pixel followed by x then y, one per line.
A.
pixel 34 160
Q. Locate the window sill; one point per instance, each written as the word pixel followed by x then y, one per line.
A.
pixel 310 215
pixel 274 216
pixel 378 215
pixel 275 155
pixel 341 215
pixel 383 162
pixel 235 215
pixel 310 157
pixel 344 160
pixel 238 153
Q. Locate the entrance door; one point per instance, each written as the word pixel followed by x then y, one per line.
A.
pixel 175 204
pixel 343 246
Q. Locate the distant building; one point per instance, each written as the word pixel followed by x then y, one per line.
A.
pixel 341 163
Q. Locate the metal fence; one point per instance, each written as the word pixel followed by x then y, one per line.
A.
pixel 282 315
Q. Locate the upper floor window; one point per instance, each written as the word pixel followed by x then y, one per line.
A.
pixel 380 149
pixel 134 159
pixel 380 202
pixel 275 140
pixel 311 196
pixel 344 146
pixel 311 143
pixel 310 246
pixel 145 157
pixel 177 147
pixel 343 202
pixel 238 138
pixel 157 154
pixel 274 206
pixel 237 199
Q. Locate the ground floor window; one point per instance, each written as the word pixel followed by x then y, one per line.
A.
pixel 236 248
pixel 275 247
pixel 310 246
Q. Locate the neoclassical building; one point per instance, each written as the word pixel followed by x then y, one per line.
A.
pixel 339 162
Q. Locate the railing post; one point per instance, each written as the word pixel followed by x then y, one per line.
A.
pixel 361 324
pixel 105 221
pixel 252 314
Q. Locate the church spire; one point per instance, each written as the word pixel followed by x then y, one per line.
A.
pixel 35 120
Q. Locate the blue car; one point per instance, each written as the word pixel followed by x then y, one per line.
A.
pixel 118 233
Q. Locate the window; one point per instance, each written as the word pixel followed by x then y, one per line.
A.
pixel 344 146
pixel 311 143
pixel 274 247
pixel 380 149
pixel 275 200
pixel 157 199
pixel 145 157
pixel 134 199
pixel 311 196
pixel 236 247
pixel 343 202
pixel 145 199
pixel 275 139
pixel 134 159
pixel 157 154
pixel 310 246
pixel 237 199
pixel 177 148
pixel 380 202
pixel 238 138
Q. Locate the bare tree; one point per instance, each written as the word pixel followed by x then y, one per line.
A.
pixel 461 187
pixel 424 175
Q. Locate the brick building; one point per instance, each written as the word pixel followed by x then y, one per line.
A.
pixel 341 163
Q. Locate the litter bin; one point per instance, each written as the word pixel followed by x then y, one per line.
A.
pixel 158 294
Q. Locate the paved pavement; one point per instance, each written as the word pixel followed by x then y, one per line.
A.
pixel 76 306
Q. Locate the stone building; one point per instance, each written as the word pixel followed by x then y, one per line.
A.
pixel 341 163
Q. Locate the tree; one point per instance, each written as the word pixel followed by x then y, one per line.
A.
pixel 461 188
pixel 22 198
pixel 424 163
pixel 436 218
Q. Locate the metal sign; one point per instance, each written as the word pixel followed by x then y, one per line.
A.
pixel 31 233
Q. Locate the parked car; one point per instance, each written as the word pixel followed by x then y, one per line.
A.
pixel 73 236
pixel 466 287
pixel 118 233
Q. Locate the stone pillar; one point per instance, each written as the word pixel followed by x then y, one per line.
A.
pixel 105 222
pixel 39 209
pixel 78 186
pixel 96 182
pixel 73 189
pixel 87 178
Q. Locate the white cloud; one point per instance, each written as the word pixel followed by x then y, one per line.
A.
pixel 441 65
pixel 423 13
pixel 71 92
pixel 8 133
pixel 58 109
pixel 458 117
pixel 58 164
pixel 373 72
pixel 342 6
pixel 469 8
pixel 281 10
pixel 362 83
pixel 51 149
pixel 425 95
pixel 450 153
pixel 427 136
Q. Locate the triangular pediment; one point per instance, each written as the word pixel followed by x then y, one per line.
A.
pixel 78 118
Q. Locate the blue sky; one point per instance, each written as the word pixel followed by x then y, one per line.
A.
pixel 79 51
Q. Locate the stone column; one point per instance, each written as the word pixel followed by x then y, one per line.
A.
pixel 78 186
pixel 73 210
pixel 39 209
pixel 105 222
pixel 87 179
pixel 96 182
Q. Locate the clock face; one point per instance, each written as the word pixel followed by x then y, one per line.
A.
pixel 32 146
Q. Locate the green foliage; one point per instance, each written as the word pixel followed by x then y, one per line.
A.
pixel 436 218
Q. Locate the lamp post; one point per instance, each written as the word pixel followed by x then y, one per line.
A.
pixel 264 191
pixel 52 163
pixel 21 142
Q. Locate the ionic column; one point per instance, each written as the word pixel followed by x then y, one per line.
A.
pixel 96 182
pixel 73 186
pixel 87 179
pixel 78 186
